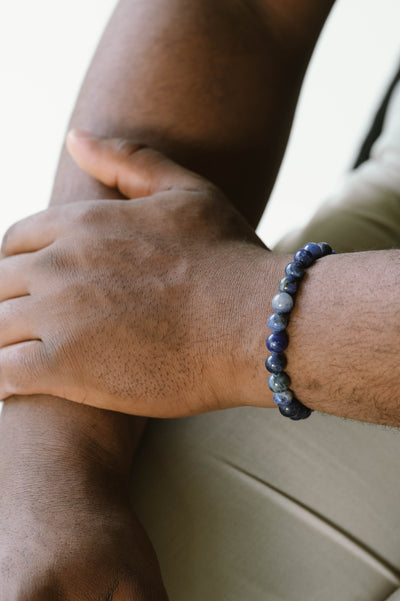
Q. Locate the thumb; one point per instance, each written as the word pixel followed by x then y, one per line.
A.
pixel 134 169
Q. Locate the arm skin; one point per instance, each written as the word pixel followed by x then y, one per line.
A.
pixel 214 84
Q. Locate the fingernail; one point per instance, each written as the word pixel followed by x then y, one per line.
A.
pixel 82 133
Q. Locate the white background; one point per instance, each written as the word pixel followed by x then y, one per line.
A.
pixel 45 47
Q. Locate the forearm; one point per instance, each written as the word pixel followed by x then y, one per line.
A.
pixel 350 364
pixel 46 435
pixel 344 336
pixel 211 83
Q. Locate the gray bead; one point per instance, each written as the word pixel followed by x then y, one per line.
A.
pixel 282 303
pixel 278 382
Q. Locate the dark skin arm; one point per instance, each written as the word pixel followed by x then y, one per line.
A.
pixel 213 84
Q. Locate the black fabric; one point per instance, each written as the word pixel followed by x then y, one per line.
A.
pixel 377 124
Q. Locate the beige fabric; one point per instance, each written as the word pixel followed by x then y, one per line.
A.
pixel 364 213
pixel 246 505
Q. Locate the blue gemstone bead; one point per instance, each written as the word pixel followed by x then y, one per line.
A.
pixel 277 322
pixel 314 249
pixel 288 284
pixel 325 248
pixel 283 399
pixel 277 342
pixel 295 270
pixel 304 257
pixel 275 363
pixel 282 303
pixel 304 413
pixel 278 382
pixel 295 410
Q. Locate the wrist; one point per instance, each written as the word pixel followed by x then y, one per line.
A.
pixel 343 332
pixel 65 507
pixel 41 431
pixel 252 281
pixel 345 337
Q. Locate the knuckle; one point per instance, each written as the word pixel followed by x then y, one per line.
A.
pixel 100 218
pixel 34 362
pixel 8 389
pixel 56 260
pixel 91 214
pixel 8 238
pixel 34 365
pixel 9 384
pixel 21 371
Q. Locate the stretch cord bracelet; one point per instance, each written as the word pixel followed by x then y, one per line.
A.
pixel 277 342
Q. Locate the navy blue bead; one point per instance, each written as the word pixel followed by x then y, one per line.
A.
pixel 303 413
pixel 277 342
pixel 326 249
pixel 314 249
pixel 277 322
pixel 275 363
pixel 295 410
pixel 283 399
pixel 282 303
pixel 288 284
pixel 295 270
pixel 304 257
pixel 278 382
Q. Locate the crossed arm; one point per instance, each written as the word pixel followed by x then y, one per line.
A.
pixel 214 86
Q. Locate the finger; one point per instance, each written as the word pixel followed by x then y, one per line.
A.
pixel 14 276
pixel 22 369
pixel 17 323
pixel 134 169
pixel 32 233
pixel 25 369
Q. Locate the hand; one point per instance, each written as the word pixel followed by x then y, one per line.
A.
pixel 132 305
pixel 66 528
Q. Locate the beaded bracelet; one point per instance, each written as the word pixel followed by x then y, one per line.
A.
pixel 278 341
